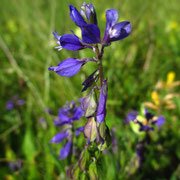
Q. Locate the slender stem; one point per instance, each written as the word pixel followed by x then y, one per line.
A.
pixel 101 73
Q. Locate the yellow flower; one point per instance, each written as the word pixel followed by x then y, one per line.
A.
pixel 170 77
pixel 174 25
pixel 155 97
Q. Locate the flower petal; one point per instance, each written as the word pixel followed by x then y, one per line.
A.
pixel 111 19
pixel 56 35
pixel 63 115
pixel 131 116
pixel 59 137
pixel 90 34
pixel 77 113
pixel 120 31
pixel 160 121
pixel 101 111
pixel 68 67
pixel 76 17
pixel 65 150
pixel 89 12
pixel 9 105
pixel 71 42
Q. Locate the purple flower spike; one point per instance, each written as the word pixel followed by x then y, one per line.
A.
pixel 113 31
pixel 90 34
pixel 59 137
pixel 76 17
pixel 101 111
pixel 65 150
pixel 68 67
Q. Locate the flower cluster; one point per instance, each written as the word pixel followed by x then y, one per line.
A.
pixel 15 165
pixel 90 36
pixel 145 122
pixel 13 102
pixel 67 115
pixel 94 104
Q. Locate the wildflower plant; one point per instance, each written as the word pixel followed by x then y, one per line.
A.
pixel 93 105
pixel 142 123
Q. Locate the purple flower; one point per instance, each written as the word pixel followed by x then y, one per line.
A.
pixel 9 105
pixel 15 165
pixel 69 67
pixel 90 32
pixel 20 102
pixel 68 114
pixel 59 137
pixel 14 101
pixel 69 42
pixel 76 16
pixel 89 12
pixel 65 151
pixel 131 116
pixel 101 111
pixel 113 31
pixel 148 122
pixel 160 121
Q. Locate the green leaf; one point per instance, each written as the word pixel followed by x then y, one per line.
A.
pixel 93 173
pixel 89 104
pixel 90 129
pixel 84 159
pixel 102 129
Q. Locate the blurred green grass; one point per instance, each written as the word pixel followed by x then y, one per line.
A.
pixel 132 66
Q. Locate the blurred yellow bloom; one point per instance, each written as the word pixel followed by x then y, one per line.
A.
pixel 155 97
pixel 174 25
pixel 170 77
